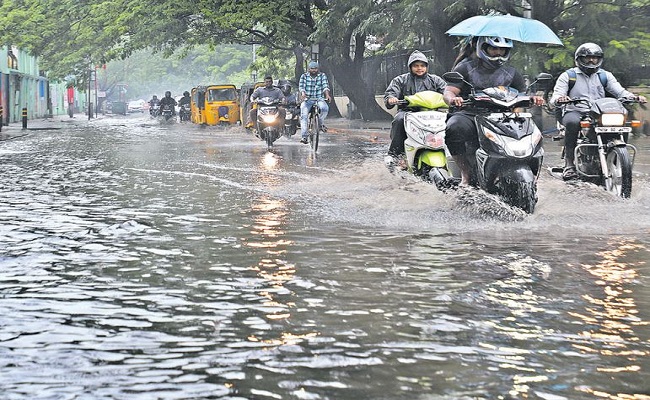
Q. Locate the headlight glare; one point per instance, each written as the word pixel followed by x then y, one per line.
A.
pixel 612 119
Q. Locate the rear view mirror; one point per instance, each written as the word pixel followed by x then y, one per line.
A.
pixel 453 77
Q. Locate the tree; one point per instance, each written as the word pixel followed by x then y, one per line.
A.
pixel 72 35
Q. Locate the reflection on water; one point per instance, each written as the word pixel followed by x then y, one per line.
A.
pixel 611 317
pixel 179 262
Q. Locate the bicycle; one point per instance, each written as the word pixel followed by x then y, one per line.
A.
pixel 314 126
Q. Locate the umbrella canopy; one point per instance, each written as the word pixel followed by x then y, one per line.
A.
pixel 524 30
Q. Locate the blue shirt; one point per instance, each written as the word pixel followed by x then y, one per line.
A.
pixel 313 87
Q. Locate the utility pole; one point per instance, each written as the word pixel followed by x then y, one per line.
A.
pixel 528 9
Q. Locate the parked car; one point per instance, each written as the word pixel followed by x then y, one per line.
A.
pixel 136 106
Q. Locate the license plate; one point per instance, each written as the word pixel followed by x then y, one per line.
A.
pixel 613 129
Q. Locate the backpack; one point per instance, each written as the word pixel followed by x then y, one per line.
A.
pixel 572 81
pixel 572 78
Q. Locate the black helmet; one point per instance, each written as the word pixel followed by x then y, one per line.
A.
pixel 186 93
pixel 588 49
pixel 168 94
pixel 286 89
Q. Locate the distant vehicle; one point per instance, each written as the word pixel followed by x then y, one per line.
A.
pixel 136 106
pixel 215 105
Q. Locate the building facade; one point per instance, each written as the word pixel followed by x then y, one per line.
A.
pixel 24 85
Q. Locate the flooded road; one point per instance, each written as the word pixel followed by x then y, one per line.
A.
pixel 140 261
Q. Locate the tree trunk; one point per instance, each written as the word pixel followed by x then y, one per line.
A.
pixel 348 76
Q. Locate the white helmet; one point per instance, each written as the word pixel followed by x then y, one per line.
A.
pixel 494 41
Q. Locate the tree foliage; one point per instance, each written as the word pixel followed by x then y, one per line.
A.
pixel 70 35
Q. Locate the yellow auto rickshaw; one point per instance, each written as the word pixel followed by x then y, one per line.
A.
pixel 222 105
pixel 197 105
pixel 245 93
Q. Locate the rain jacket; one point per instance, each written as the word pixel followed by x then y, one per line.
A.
pixel 408 84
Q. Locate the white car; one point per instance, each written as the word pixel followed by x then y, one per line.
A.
pixel 136 106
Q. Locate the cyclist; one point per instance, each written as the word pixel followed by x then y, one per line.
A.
pixel 314 88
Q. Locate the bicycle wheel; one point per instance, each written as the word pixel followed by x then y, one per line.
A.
pixel 314 132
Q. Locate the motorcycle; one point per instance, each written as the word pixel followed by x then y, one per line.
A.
pixel 426 154
pixel 167 112
pixel 509 158
pixel 154 110
pixel 269 126
pixel 291 120
pixel 184 113
pixel 602 154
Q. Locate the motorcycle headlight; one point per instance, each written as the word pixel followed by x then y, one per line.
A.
pixel 435 140
pixel 612 119
pixel 268 118
pixel 513 147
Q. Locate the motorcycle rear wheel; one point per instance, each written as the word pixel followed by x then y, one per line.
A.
pixel 619 165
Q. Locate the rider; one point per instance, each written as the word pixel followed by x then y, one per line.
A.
pixel 268 90
pixel 184 105
pixel 410 83
pixel 154 100
pixel 314 88
pixel 292 98
pixel 485 67
pixel 588 85
pixel 185 100
pixel 168 100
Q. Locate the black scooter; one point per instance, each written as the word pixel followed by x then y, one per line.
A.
pixel 509 158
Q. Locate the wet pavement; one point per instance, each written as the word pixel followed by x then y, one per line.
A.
pixel 149 261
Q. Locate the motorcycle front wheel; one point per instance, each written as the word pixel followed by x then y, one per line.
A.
pixel 619 165
pixel 522 195
pixel 269 141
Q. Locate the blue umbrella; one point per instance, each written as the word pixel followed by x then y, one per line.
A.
pixel 524 30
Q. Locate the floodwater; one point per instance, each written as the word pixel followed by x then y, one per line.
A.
pixel 147 261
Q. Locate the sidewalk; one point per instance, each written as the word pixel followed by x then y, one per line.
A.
pixel 358 127
pixel 15 129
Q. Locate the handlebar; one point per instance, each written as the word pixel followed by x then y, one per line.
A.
pixel 623 100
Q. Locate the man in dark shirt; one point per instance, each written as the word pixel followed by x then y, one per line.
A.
pixel 485 67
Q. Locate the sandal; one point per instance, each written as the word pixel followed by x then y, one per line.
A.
pixel 569 173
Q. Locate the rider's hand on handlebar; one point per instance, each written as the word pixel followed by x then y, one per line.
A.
pixel 563 99
pixel 642 99
pixel 456 101
pixel 537 100
pixel 392 100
